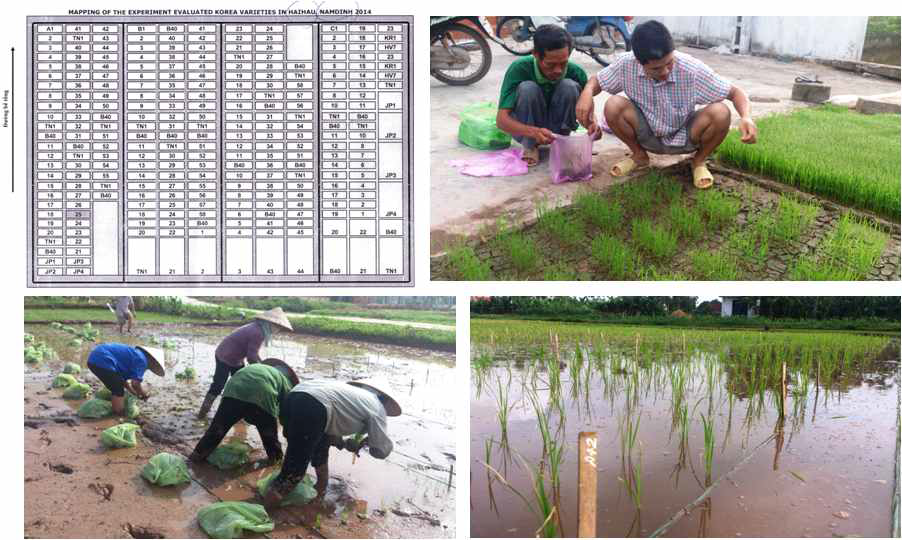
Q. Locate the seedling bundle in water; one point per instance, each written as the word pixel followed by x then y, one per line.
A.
pixel 303 493
pixel 165 469
pixel 230 455
pixel 120 436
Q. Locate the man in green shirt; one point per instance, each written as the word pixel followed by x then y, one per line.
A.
pixel 254 393
pixel 539 92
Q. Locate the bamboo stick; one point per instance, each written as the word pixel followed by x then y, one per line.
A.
pixel 588 483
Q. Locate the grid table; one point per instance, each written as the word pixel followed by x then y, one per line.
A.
pixel 220 150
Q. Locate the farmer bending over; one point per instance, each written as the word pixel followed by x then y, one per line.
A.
pixel 245 342
pixel 658 114
pixel 253 394
pixel 539 92
pixel 318 414
pixel 121 367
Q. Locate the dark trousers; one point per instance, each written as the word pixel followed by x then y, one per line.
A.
pixel 305 430
pixel 112 380
pixel 221 376
pixel 558 116
pixel 228 414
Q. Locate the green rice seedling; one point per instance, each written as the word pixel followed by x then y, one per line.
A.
pixel 714 265
pixel 561 271
pixel 544 509
pixel 632 470
pixel 614 256
pixel 502 399
pixel 639 195
pixel 558 225
pixel 667 189
pixel 848 252
pixel 717 207
pixel 793 218
pixel 858 164
pixel 602 212
pixel 652 273
pixel 708 428
pixel 521 250
pixel 466 266
pixel 687 222
pixel 657 240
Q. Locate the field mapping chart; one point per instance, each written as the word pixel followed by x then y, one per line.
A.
pixel 228 150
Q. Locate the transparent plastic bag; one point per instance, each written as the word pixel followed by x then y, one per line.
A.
pixel 571 158
pixel 504 163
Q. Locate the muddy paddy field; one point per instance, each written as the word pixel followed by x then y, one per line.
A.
pixel 75 487
pixel 699 432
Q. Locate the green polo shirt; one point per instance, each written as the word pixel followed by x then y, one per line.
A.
pixel 525 69
pixel 262 385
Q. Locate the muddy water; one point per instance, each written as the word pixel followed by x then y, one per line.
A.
pixel 825 470
pixel 413 481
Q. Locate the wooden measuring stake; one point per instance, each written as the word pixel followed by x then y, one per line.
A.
pixel 588 483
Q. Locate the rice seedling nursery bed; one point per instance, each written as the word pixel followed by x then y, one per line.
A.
pixel 694 420
pixel 658 227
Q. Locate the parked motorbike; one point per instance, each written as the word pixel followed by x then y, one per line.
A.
pixel 602 38
pixel 459 53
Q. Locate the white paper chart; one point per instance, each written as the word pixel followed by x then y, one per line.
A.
pixel 220 150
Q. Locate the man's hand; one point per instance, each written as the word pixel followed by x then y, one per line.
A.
pixel 542 135
pixel 748 131
pixel 585 112
pixel 354 447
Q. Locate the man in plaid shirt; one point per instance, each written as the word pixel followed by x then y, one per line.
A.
pixel 658 114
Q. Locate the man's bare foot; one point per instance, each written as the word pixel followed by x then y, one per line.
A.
pixel 531 156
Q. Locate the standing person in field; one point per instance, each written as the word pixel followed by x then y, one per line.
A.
pixel 124 307
pixel 539 92
pixel 121 367
pixel 658 113
pixel 243 343
pixel 254 394
pixel 317 415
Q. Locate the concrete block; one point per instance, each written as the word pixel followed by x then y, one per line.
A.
pixel 810 92
pixel 870 106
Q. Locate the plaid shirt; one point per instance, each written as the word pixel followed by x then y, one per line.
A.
pixel 665 104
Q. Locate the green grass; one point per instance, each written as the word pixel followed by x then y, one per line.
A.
pixel 830 151
pixel 847 253
pixel 600 211
pixel 718 208
pixel 687 222
pixel 466 266
pixel 614 256
pixel 714 265
pixel 657 240
pixel 100 315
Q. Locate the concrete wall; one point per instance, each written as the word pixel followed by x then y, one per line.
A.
pixel 726 307
pixel 835 38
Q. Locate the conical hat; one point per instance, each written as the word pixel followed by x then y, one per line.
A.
pixel 286 370
pixel 275 316
pixel 382 387
pixel 153 364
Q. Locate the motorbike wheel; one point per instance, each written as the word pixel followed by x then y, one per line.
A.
pixel 479 51
pixel 507 28
pixel 609 34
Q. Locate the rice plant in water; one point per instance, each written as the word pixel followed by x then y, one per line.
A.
pixel 708 428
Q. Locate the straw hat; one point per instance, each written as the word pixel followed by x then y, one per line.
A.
pixel 153 364
pixel 284 368
pixel 381 387
pixel 275 316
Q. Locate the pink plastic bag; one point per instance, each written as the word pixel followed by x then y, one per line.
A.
pixel 504 163
pixel 571 158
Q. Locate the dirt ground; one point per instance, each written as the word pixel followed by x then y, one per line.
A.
pixel 461 205
pixel 75 487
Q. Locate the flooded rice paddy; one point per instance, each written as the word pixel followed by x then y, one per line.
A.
pixel 699 432
pixel 416 479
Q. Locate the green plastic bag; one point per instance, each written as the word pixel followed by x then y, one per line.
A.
pixel 95 408
pixel 303 493
pixel 77 391
pixel 64 380
pixel 72 368
pixel 478 129
pixel 131 402
pixel 120 436
pixel 230 519
pixel 229 456
pixel 104 393
pixel 165 469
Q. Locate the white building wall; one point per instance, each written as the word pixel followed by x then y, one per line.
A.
pixel 726 307
pixel 836 38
